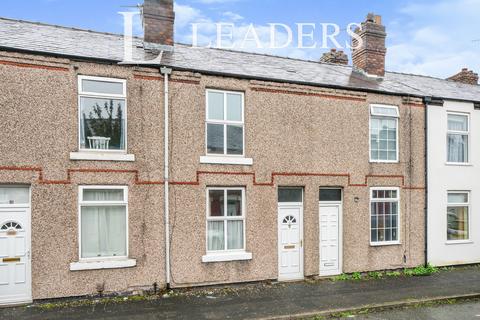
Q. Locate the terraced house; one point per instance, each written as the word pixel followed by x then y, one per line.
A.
pixel 209 167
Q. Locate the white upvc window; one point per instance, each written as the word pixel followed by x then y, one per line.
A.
pixel 458 216
pixel 458 132
pixel 224 127
pixel 102 114
pixel 384 215
pixel 103 222
pixel 225 220
pixel 384 133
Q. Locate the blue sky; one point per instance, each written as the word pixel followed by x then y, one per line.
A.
pixel 433 37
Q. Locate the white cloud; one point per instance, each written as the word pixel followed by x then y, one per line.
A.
pixel 186 15
pixel 232 16
pixel 435 39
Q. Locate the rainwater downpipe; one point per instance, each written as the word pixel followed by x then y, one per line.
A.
pixel 166 73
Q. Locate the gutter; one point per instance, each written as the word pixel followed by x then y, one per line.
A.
pixel 166 72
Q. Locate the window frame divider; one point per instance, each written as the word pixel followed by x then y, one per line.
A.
pixel 81 93
pixel 226 218
pixel 399 216
pixel 397 132
pixel 80 203
pixel 460 133
pixel 225 123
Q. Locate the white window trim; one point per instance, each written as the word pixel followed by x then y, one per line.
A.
pixel 107 264
pixel 211 156
pixel 100 156
pixel 385 243
pixel 467 133
pixel 226 255
pixel 87 94
pixel 226 160
pixel 460 204
pixel 101 261
pixel 375 115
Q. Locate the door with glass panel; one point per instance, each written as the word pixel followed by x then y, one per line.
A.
pixel 15 263
pixel 330 218
pixel 290 234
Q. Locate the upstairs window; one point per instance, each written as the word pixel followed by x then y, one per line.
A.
pixel 457 138
pixel 102 114
pixel 225 123
pixel 384 133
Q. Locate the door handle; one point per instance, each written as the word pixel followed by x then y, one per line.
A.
pixel 301 243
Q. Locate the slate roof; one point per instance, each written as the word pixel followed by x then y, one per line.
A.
pixel 85 44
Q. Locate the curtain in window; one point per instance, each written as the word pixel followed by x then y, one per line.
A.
pixel 457 142
pixel 103 195
pixel 216 236
pixel 103 231
pixel 235 235
pixel 457 148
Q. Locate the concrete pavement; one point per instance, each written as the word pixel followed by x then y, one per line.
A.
pixel 275 301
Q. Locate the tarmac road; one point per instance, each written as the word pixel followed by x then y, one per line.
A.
pixel 458 311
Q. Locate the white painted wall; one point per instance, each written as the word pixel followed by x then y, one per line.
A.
pixel 443 178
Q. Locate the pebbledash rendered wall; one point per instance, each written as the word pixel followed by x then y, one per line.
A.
pixel 297 136
pixel 300 136
pixel 39 129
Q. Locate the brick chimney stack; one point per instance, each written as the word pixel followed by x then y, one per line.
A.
pixel 465 76
pixel 369 56
pixel 334 56
pixel 158 22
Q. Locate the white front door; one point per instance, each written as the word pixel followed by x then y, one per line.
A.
pixel 15 268
pixel 290 242
pixel 330 239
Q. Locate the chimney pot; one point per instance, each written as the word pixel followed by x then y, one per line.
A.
pixel 335 57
